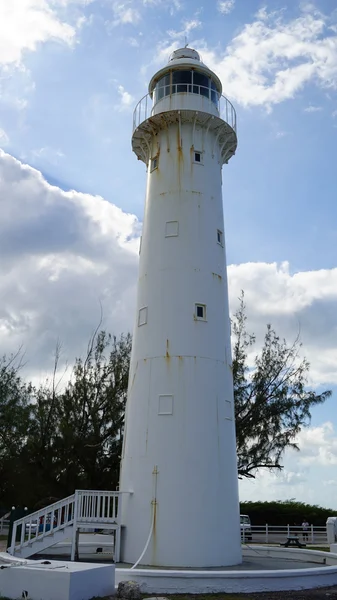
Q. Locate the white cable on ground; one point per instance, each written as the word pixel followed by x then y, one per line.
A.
pixel 148 539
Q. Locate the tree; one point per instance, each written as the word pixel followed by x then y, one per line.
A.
pixel 73 438
pixel 38 455
pixel 285 512
pixel 90 416
pixel 272 400
pixel 15 410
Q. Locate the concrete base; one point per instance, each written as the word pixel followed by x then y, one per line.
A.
pixel 56 581
pixel 264 568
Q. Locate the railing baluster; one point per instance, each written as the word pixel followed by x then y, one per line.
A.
pixel 108 512
pixel 13 541
pixel 22 532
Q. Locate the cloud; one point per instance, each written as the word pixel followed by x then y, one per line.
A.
pixel 126 99
pixel 289 478
pixel 280 134
pixel 318 445
pixel 62 254
pixel 311 109
pixel 173 5
pixel 176 39
pixel 47 156
pixel 226 6
pixel 271 59
pixel 125 13
pixel 188 26
pixel 4 139
pixel 301 302
pixel 26 24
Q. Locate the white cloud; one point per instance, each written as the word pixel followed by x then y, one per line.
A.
pixel 125 13
pixel 311 109
pixel 226 6
pixel 65 250
pixel 173 5
pixel 188 26
pixel 49 156
pixel 24 24
pixel 280 134
pixel 272 58
pixel 177 38
pixel 127 100
pixel 62 253
pixel 133 42
pixel 318 445
pixel 296 302
pixel 4 139
pixel 289 478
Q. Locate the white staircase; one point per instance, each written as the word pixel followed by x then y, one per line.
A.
pixel 86 509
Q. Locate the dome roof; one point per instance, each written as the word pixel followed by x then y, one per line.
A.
pixel 185 53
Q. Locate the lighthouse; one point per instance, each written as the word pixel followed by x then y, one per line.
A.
pixel 178 476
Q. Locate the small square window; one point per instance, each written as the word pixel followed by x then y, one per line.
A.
pixel 197 157
pixel 219 237
pixel 142 316
pixel 154 163
pixel 200 312
pixel 171 228
pixel 165 406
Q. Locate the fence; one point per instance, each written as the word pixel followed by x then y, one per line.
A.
pixel 4 524
pixel 277 534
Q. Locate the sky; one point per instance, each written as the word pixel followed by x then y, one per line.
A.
pixel 72 192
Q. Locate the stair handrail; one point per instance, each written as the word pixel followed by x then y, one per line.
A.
pixel 35 517
pixel 81 508
pixel 3 519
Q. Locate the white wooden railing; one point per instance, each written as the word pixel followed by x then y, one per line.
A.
pixel 83 509
pixel 277 534
pixel 43 522
pixel 97 506
pixel 4 522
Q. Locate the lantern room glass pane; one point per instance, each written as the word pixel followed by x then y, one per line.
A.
pixel 182 77
pixel 183 81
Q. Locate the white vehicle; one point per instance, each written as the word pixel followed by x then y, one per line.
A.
pixel 246 528
pixel 31 527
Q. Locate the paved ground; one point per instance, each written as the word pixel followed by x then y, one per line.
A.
pixel 257 563
pixel 320 594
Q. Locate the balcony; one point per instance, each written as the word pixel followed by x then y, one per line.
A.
pixel 184 97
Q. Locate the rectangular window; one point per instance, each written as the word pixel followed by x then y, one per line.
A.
pixel 142 316
pixel 165 406
pixel 198 157
pixel 200 312
pixel 154 163
pixel 228 410
pixel 219 237
pixel 171 228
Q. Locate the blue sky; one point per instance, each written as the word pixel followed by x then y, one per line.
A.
pixel 71 72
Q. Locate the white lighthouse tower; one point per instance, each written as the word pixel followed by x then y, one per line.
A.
pixel 179 453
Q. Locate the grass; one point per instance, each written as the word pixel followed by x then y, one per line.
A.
pixel 210 596
pixel 187 596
